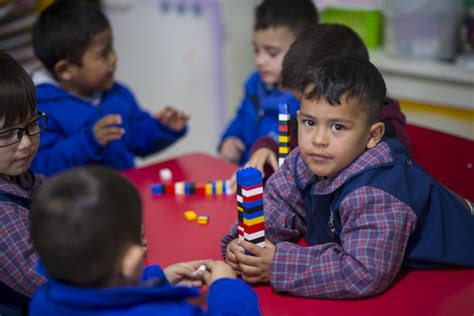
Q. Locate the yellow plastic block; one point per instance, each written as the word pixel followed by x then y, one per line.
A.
pixel 219 187
pixel 190 215
pixel 284 139
pixel 203 219
pixel 208 188
pixel 283 150
pixel 257 220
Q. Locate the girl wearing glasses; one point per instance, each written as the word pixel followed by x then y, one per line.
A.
pixel 20 127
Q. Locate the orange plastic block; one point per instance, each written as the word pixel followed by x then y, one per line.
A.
pixel 203 219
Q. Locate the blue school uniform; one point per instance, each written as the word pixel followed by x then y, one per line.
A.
pixel 257 115
pixel 444 229
pixel 154 296
pixel 69 141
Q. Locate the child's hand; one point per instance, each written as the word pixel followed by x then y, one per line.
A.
pixel 230 256
pixel 261 157
pixel 256 268
pixel 106 130
pixel 257 160
pixel 172 118
pixel 217 270
pixel 185 273
pixel 231 149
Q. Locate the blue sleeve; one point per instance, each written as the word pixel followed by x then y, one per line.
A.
pixel 149 135
pixel 232 297
pixel 57 152
pixel 154 272
pixel 245 119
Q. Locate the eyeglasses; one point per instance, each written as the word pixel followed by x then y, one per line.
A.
pixel 14 135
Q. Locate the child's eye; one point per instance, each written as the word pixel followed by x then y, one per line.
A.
pixel 273 52
pixel 11 134
pixel 308 123
pixel 337 127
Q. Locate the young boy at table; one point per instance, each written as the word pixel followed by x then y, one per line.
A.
pixel 316 43
pixel 277 24
pixel 363 206
pixel 93 119
pixel 86 228
pixel 20 126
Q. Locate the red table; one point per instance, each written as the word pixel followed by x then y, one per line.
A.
pixel 172 239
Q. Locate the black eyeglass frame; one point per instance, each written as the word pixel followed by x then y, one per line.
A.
pixel 22 130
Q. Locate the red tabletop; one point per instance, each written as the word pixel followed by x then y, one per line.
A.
pixel 172 239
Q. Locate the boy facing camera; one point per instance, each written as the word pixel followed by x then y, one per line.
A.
pixel 93 119
pixel 86 227
pixel 363 206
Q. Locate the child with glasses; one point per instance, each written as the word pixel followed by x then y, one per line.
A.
pixel 20 127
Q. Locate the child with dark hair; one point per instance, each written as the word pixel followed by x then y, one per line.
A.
pixel 317 43
pixel 92 118
pixel 20 126
pixel 86 227
pixel 277 24
pixel 359 201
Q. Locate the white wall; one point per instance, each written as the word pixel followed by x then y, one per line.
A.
pixel 195 61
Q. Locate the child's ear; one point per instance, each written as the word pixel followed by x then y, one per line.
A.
pixel 377 131
pixel 63 70
pixel 131 264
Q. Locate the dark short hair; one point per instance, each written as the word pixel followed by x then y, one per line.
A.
pixel 82 220
pixel 350 77
pixel 316 43
pixel 17 92
pixel 297 15
pixel 64 30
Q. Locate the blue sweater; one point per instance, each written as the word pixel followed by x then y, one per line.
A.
pixel 257 115
pixel 444 231
pixel 69 141
pixel 226 297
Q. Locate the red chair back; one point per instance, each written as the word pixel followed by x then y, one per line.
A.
pixel 448 158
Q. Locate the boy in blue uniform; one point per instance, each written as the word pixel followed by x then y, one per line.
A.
pixel 92 118
pixel 86 228
pixel 20 127
pixel 277 24
pixel 364 207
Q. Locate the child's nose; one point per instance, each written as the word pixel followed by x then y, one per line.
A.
pixel 260 59
pixel 113 58
pixel 320 137
pixel 25 140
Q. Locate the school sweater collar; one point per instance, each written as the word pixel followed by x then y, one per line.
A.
pixel 371 158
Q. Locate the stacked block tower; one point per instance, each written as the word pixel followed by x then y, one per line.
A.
pixel 250 206
pixel 284 129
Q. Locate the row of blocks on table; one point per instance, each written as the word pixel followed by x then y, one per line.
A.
pixel 217 187
pixel 284 131
pixel 251 225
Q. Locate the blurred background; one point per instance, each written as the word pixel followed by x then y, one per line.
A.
pixel 196 54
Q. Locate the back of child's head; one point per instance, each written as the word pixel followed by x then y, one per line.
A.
pixel 316 43
pixel 17 93
pixel 346 78
pixel 82 222
pixel 296 15
pixel 64 30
